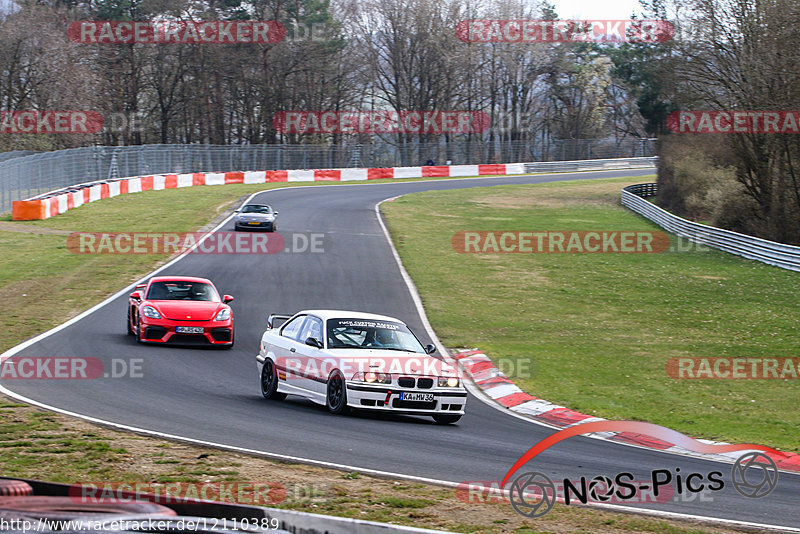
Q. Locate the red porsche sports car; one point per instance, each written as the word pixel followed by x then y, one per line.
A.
pixel 180 310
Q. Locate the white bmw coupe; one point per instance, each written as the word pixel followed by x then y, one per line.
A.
pixel 345 359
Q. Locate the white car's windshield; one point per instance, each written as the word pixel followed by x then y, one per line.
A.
pixel 371 334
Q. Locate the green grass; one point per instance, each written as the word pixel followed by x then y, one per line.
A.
pixel 42 284
pixel 598 329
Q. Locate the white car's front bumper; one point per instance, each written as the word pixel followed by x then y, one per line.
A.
pixel 387 397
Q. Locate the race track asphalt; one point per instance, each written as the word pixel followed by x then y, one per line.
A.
pixel 213 395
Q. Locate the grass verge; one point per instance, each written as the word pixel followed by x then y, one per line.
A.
pixel 42 284
pixel 47 446
pixel 596 330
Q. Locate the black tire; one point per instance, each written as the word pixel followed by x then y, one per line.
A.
pixel 336 399
pixel 130 330
pixel 446 419
pixel 269 382
pixel 139 332
pixel 273 228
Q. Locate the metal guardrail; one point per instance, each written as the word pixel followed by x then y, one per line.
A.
pixel 24 175
pixel 753 248
pixel 590 165
pixel 4 156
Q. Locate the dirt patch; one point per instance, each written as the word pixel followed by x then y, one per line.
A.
pixel 503 272
pixel 602 194
pixel 6 226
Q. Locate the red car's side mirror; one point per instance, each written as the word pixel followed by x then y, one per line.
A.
pixel 136 295
pixel 227 298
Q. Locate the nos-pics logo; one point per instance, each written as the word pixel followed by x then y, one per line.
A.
pixel 533 494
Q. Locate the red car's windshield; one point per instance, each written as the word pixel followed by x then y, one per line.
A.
pixel 182 290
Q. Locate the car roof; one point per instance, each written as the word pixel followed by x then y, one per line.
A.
pixel 344 314
pixel 180 279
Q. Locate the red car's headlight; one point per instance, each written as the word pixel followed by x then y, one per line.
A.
pixel 223 315
pixel 151 312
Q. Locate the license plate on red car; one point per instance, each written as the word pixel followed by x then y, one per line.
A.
pixel 189 329
pixel 420 397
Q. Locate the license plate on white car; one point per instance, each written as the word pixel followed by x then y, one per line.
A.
pixel 189 329
pixel 421 397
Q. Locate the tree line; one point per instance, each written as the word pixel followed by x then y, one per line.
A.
pixel 406 55
pixel 351 55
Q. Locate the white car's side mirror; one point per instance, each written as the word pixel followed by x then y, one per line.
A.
pixel 314 342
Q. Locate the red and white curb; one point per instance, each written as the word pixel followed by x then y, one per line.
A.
pixel 496 385
pixel 50 205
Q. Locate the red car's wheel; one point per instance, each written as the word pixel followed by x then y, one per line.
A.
pixel 130 330
pixel 139 332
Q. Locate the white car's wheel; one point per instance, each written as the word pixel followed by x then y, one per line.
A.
pixel 336 400
pixel 269 382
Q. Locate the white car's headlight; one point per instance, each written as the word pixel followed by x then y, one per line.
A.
pixel 223 315
pixel 151 312
pixel 448 382
pixel 372 377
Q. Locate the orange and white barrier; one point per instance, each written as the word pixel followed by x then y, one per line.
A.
pixel 43 207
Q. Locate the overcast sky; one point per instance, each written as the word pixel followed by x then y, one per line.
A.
pixel 567 9
pixel 596 9
pixel 6 6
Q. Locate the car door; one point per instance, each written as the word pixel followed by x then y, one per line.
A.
pixel 317 369
pixel 289 360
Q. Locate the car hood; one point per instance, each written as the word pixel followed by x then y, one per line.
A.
pixel 392 361
pixel 187 310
